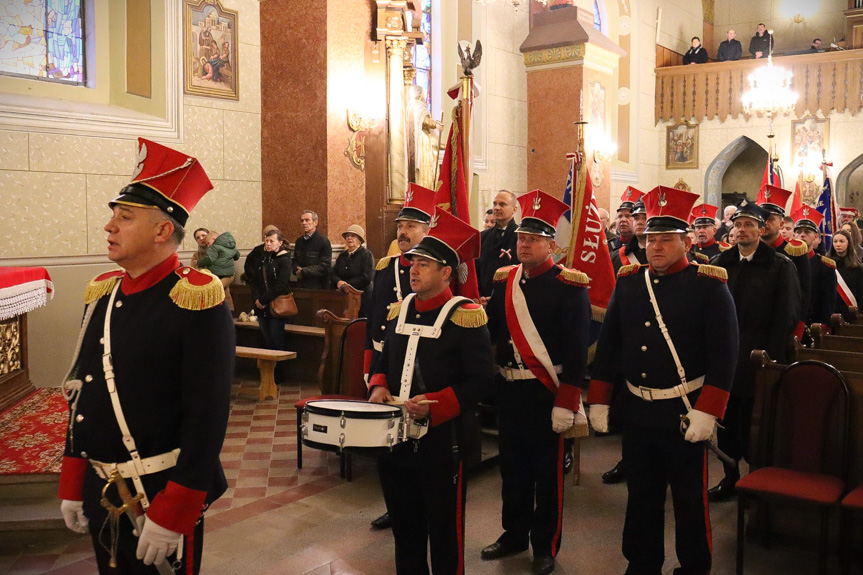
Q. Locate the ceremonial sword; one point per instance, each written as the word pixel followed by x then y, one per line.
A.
pixel 723 457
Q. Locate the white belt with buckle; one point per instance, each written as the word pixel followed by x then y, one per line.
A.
pixel 654 394
pixel 150 465
pixel 378 346
pixel 517 373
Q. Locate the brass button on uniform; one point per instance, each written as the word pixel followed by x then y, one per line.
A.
pixel 643 376
pixel 88 379
pixel 643 348
pixel 79 418
pixel 647 324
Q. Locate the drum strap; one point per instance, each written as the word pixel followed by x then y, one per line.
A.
pixel 414 333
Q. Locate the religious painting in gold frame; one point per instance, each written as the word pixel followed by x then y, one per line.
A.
pixel 809 137
pixel 210 53
pixel 681 146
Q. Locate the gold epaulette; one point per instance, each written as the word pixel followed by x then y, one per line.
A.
pixel 628 270
pixel 829 262
pixel 101 285
pixel 502 274
pixel 723 246
pixel 197 289
pixel 702 257
pixel 383 263
pixel 715 272
pixel 395 310
pixel 796 248
pixel 573 277
pixel 469 315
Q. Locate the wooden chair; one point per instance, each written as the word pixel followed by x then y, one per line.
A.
pixel 349 374
pixel 808 418
pixel 852 505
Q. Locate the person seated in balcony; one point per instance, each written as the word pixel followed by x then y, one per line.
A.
pixel 697 54
pixel 730 49
pixel 762 43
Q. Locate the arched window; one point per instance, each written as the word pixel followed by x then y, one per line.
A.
pixel 597 16
pixel 43 40
pixel 422 54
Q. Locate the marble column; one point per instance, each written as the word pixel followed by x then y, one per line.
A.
pixel 398 151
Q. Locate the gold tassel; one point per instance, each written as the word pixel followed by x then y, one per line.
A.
pixel 502 274
pixel 196 298
pixel 628 270
pixel 723 246
pixel 395 310
pixel 597 313
pixel 715 272
pixel 702 257
pixel 469 317
pixel 573 277
pixel 383 263
pixel 829 262
pixel 796 248
pixel 97 288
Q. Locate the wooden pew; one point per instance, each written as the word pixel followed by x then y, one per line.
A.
pixel 835 342
pixel 841 360
pixel 839 326
pixel 267 360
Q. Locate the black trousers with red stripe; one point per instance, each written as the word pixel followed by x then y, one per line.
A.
pixel 531 467
pixel 425 492
pixel 656 459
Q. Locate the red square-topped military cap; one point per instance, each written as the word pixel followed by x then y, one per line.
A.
pixel 629 197
pixel 703 215
pixel 165 179
pixel 773 199
pixel 668 209
pixel 419 204
pixel 450 240
pixel 540 213
pixel 807 217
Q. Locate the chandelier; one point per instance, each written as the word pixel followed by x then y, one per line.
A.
pixel 770 91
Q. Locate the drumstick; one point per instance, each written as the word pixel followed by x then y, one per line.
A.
pixel 420 402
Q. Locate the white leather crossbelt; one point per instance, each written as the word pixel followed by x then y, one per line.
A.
pixel 517 373
pixel 378 346
pixel 654 394
pixel 148 465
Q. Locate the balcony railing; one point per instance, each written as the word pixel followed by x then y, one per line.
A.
pixel 828 81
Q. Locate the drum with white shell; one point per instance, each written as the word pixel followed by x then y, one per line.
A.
pixel 359 426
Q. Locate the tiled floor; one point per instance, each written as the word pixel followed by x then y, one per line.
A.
pixel 276 520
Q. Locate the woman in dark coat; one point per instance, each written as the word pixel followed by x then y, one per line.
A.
pixel 697 54
pixel 354 266
pixel 270 279
pixel 844 253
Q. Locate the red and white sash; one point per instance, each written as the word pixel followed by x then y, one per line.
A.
pixel 524 334
pixel 844 291
pixel 624 259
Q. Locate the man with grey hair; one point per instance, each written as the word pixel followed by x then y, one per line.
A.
pixel 730 49
pixel 498 244
pixel 313 254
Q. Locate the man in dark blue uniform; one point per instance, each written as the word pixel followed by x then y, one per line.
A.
pixel 633 252
pixel 822 300
pixel 437 360
pixel 539 316
pixel 662 386
pixel 766 296
pixel 703 221
pixel 497 244
pixel 149 394
pixel 623 219
pixel 391 282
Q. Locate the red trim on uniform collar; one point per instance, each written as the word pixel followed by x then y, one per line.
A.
pixel 150 277
pixel 679 265
pixel 709 243
pixel 404 261
pixel 778 242
pixel 540 269
pixel 811 253
pixel 423 306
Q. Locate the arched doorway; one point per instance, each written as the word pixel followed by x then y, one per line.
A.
pixel 735 173
pixel 849 184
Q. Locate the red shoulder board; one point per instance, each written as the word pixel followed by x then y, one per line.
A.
pixel 108 275
pixel 829 262
pixel 573 277
pixel 715 272
pixel 197 289
pixel 470 306
pixel 629 270
pixel 724 246
pixel 101 285
pixel 796 248
pixel 469 314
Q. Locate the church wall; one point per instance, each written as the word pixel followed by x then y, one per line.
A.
pixel 55 189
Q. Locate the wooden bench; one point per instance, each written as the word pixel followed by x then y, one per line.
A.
pixel 267 359
pixel 835 342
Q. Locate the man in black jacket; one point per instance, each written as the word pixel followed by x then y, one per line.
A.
pixel 313 255
pixel 762 43
pixel 763 283
pixel 253 260
pixel 730 49
pixel 822 300
pixel 498 243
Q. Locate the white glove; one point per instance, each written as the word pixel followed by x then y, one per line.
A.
pixel 73 515
pixel 700 426
pixel 156 543
pixel 561 419
pixel 599 417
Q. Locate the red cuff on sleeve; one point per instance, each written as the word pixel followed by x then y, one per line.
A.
pixel 712 400
pixel 446 408
pixel 177 508
pixel 568 396
pixel 378 379
pixel 72 478
pixel 599 392
pixel 367 360
pixel 825 329
pixel 798 330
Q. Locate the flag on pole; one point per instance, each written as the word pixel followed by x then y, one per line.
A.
pixel 796 203
pixel 769 177
pixel 828 207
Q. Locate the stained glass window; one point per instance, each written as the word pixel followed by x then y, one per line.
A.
pixel 422 54
pixel 597 17
pixel 43 39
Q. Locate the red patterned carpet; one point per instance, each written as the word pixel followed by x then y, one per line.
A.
pixel 33 433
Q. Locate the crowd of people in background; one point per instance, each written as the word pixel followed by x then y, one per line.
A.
pixel 730 49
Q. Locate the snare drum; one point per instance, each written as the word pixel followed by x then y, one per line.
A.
pixel 336 425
